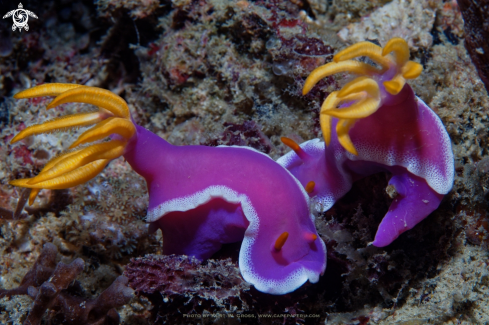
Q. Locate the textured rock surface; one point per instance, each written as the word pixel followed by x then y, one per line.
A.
pixel 408 19
pixel 53 287
pixel 476 18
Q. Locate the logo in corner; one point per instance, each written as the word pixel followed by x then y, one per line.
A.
pixel 20 17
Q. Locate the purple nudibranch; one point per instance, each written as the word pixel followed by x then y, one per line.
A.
pixel 201 197
pixel 399 134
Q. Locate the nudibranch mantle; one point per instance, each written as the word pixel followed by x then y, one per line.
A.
pixel 380 139
pixel 201 197
pixel 264 200
pixel 380 126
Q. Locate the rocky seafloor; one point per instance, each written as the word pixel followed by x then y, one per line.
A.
pixel 215 72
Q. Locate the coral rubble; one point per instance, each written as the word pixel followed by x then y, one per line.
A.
pixel 178 285
pixel 53 287
pixel 476 34
pixel 409 19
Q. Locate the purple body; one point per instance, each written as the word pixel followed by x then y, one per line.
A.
pixel 203 197
pixel 403 137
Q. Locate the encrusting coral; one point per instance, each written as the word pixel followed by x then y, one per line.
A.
pixel 475 17
pixel 411 20
pixel 53 287
pixel 183 280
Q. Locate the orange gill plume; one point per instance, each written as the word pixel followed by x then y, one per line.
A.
pixel 81 165
pixel 363 93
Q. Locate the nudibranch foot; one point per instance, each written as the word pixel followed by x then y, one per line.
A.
pixel 413 202
pixel 188 233
pixel 79 166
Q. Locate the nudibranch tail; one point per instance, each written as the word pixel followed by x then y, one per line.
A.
pixel 79 166
pixel 362 97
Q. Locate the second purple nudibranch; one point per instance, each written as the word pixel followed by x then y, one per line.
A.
pixel 381 126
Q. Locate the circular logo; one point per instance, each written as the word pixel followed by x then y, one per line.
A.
pixel 20 17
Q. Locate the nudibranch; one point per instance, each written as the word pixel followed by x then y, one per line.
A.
pixel 380 126
pixel 201 197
